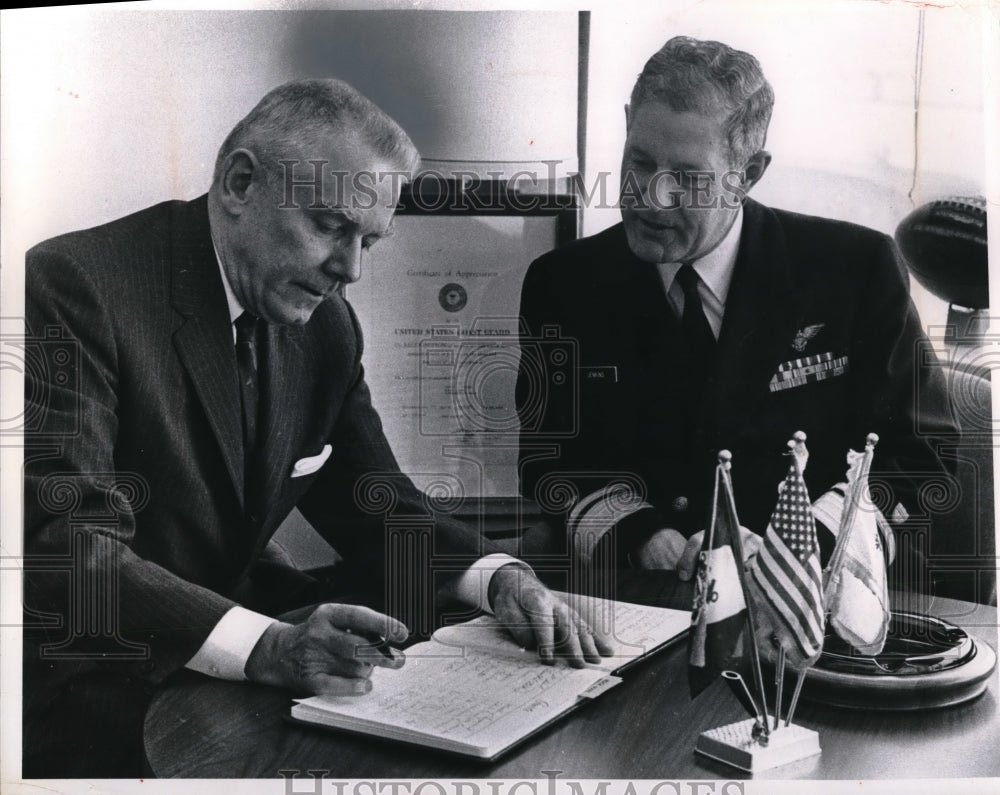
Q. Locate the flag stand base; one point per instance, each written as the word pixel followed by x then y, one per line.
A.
pixel 735 745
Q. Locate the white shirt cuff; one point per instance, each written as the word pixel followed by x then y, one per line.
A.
pixel 226 650
pixel 472 587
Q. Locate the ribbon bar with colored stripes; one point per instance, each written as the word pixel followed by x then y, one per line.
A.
pixel 806 370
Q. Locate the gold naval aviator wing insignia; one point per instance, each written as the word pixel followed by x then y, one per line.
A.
pixel 803 336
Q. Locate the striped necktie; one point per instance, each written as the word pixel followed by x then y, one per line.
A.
pixel 246 361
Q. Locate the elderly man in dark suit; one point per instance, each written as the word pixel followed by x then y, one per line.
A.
pixel 706 321
pixel 215 383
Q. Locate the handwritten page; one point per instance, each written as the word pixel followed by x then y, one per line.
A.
pixel 471 689
pixel 470 700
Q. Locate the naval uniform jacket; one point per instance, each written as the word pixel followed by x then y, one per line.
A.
pixel 819 335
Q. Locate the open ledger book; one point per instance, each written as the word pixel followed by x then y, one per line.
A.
pixel 473 691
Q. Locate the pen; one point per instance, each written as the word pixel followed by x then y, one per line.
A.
pixel 377 642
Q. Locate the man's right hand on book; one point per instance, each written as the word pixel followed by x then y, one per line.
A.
pixel 330 653
pixel 537 618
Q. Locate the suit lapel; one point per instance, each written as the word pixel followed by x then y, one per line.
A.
pixel 644 315
pixel 204 342
pixel 762 311
pixel 641 338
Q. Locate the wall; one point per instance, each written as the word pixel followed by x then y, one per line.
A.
pixel 844 77
pixel 106 111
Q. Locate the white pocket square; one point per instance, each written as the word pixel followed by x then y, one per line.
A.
pixel 306 466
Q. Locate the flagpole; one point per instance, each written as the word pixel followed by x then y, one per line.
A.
pixel 847 518
pixel 795 697
pixel 779 681
pixel 725 462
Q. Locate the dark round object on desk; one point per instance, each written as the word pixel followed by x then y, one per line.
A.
pixel 926 663
pixel 944 245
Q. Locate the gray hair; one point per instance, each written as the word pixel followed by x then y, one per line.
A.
pixel 303 113
pixel 710 77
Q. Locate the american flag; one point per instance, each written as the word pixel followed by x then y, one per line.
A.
pixel 787 571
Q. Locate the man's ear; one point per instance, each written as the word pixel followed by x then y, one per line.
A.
pixel 628 116
pixel 755 168
pixel 241 170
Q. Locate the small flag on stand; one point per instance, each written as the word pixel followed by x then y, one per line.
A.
pixel 718 639
pixel 785 576
pixel 788 586
pixel 857 595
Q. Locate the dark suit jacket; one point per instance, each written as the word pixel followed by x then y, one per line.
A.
pixel 792 272
pixel 135 470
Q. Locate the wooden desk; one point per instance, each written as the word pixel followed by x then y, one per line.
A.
pixel 644 728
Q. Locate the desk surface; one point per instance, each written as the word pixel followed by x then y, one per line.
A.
pixel 644 728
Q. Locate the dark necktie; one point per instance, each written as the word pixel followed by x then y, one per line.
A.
pixel 698 342
pixel 246 361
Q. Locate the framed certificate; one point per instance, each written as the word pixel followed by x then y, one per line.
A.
pixel 438 304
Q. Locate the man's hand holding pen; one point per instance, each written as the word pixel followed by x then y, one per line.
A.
pixel 333 652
